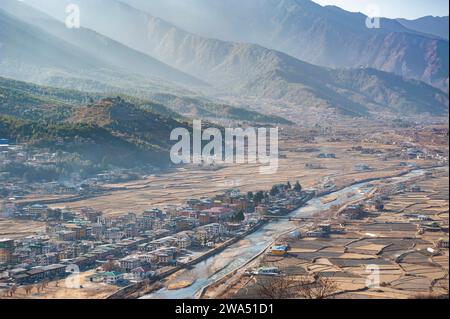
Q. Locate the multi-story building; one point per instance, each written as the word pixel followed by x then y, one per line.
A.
pixel 37 211
pixel 130 262
pixel 67 235
pixel 214 230
pixel 201 235
pixel 183 242
pixel 6 250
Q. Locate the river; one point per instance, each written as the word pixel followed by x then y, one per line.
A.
pixel 238 254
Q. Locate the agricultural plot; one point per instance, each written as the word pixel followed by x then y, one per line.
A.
pixel 405 254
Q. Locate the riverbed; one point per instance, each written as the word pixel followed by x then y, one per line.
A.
pixel 239 254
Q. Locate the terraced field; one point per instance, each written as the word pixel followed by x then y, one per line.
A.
pixel 408 262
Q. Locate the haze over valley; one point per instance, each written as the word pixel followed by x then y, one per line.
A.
pixel 133 149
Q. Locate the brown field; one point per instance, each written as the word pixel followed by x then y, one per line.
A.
pixel 15 229
pixel 195 182
pixel 58 290
pixel 344 258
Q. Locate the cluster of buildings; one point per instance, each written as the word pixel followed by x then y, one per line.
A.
pixel 133 246
pixel 320 231
pixel 25 170
pixel 411 152
pixel 406 152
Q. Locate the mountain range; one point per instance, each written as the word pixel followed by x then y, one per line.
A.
pixel 327 36
pixel 125 47
pixel 252 70
pixel 111 53
pixel 437 26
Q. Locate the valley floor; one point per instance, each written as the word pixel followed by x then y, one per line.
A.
pixel 194 182
pixel 374 153
pixel 407 259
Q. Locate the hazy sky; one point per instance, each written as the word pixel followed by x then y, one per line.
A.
pixel 410 9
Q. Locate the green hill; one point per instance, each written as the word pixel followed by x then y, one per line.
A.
pixel 120 131
pixel 129 121
pixel 49 104
pixel 91 143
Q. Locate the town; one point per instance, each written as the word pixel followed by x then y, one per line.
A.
pixel 116 233
pixel 136 246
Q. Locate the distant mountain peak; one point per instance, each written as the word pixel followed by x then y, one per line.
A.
pixel 327 36
pixel 349 69
pixel 431 25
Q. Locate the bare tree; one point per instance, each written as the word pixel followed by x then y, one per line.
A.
pixel 28 290
pixel 280 287
pixel 320 288
pixel 32 287
pixel 443 285
pixel 42 286
pixel 111 265
pixel 12 290
pixel 288 287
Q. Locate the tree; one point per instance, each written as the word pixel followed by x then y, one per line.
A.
pixel 250 195
pixel 281 287
pixel 288 185
pixel 274 191
pixel 239 216
pixel 111 265
pixel 288 287
pixel 320 288
pixel 12 290
pixel 298 187
pixel 40 287
pixel 259 197
pixel 443 285
pixel 28 289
